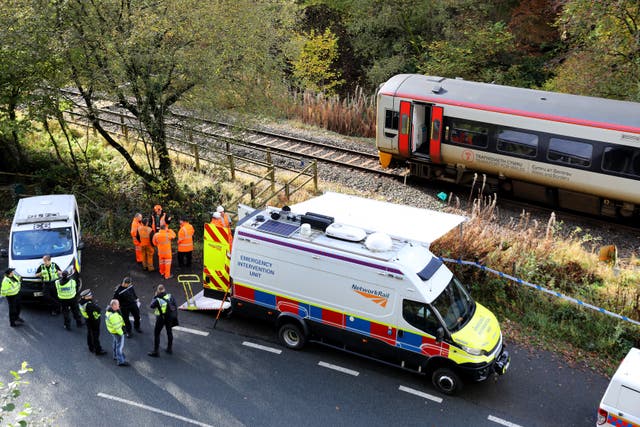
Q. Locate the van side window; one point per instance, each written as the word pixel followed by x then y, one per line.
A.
pixel 419 314
pixel 391 119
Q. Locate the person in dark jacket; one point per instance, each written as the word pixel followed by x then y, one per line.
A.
pixel 49 272
pixel 91 312
pixel 164 307
pixel 126 295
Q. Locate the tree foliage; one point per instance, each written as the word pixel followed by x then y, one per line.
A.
pixel 314 67
pixel 602 38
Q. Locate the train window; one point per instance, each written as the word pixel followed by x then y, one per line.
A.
pixel 468 133
pixel 622 160
pixel 517 143
pixel 391 119
pixel 570 152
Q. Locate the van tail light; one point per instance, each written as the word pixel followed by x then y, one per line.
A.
pixel 602 416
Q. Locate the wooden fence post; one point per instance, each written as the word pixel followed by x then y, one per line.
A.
pixel 125 129
pixel 194 147
pixel 232 167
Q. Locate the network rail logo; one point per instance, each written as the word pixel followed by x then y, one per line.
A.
pixel 377 296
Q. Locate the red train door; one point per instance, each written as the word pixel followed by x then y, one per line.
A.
pixel 436 134
pixel 404 131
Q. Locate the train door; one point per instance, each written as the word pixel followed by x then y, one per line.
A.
pixel 435 136
pixel 405 129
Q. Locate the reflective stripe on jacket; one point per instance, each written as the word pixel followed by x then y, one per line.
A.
pixel 66 290
pixel 163 303
pixel 10 286
pixel 162 239
pixel 185 237
pixel 49 274
pixel 114 322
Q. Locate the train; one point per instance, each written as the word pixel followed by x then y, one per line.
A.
pixel 567 151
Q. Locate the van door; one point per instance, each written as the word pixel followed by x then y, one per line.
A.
pixel 423 343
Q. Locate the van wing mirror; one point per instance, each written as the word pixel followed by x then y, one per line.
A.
pixel 80 245
pixel 439 334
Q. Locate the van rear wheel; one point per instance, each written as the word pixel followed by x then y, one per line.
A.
pixel 446 381
pixel 291 336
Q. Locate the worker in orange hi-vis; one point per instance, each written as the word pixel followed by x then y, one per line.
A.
pixel 144 236
pixel 221 220
pixel 135 223
pixel 158 217
pixel 185 243
pixel 162 240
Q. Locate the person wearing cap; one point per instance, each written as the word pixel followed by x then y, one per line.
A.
pixel 10 289
pixel 185 243
pixel 67 288
pixel 49 272
pixel 91 312
pixel 115 325
pixel 164 307
pixel 129 305
pixel 135 223
pixel 162 240
pixel 224 217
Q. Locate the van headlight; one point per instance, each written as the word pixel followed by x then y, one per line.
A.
pixel 472 351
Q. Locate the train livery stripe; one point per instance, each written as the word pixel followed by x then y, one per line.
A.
pixel 513 112
pixel 321 253
pixel 387 333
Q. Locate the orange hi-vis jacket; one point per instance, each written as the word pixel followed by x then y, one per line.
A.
pixel 185 237
pixel 226 222
pixel 144 235
pixel 135 223
pixel 162 240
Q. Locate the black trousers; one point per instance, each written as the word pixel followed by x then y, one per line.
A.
pixel 184 259
pixel 14 307
pixel 93 336
pixel 126 311
pixel 51 296
pixel 160 323
pixel 70 306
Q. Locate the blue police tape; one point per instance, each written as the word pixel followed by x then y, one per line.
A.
pixel 540 288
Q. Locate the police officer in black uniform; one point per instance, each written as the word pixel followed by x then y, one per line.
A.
pixel 128 299
pixel 90 311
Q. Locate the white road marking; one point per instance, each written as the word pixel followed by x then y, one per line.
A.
pixel 191 331
pixel 503 422
pixel 262 347
pixel 420 393
pixel 152 409
pixel 339 369
pixel 1 348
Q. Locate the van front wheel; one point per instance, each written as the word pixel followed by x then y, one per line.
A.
pixel 291 336
pixel 446 381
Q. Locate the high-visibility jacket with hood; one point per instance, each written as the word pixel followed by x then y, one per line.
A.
pixel 162 240
pixel 185 237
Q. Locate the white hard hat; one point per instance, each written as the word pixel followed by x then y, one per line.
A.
pixel 217 215
pixel 219 209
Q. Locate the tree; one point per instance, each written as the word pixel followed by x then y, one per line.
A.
pixel 29 65
pixel 314 68
pixel 152 55
pixel 602 41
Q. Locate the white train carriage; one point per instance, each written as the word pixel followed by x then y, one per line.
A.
pixel 575 152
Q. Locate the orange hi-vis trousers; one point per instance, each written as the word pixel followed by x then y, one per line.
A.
pixel 147 257
pixel 164 265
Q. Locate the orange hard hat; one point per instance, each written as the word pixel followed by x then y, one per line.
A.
pixel 157 208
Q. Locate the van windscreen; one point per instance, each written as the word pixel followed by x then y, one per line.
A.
pixel 32 244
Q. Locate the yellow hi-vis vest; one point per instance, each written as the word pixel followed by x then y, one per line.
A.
pixel 49 274
pixel 66 291
pixel 10 286
pixel 83 311
pixel 163 303
pixel 114 322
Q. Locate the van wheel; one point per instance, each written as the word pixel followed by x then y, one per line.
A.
pixel 291 336
pixel 446 381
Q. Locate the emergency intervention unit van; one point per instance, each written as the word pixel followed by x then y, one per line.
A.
pixel 357 274
pixel 620 405
pixel 45 225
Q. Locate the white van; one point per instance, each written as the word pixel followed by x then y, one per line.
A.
pixel 620 405
pixel 45 225
pixel 357 275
